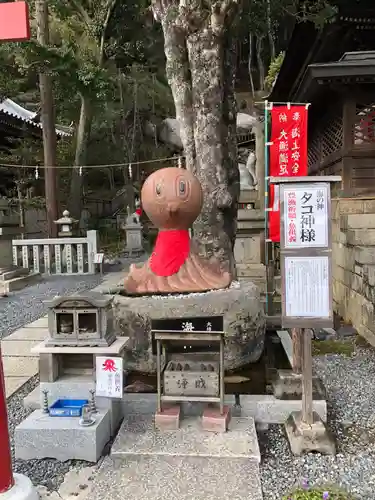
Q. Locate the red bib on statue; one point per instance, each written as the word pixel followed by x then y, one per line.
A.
pixel 170 252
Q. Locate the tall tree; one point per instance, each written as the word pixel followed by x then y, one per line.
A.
pixel 48 123
pixel 200 63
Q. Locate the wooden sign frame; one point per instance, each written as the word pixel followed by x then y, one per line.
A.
pixel 305 252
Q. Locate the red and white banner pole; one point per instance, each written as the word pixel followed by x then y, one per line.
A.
pixel 6 472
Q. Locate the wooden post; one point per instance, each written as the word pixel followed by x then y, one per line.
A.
pixel 307 389
pixel 297 350
pixel 6 473
pixel 48 124
pixel 158 374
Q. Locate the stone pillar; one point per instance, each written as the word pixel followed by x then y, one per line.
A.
pixel 248 249
pixel 133 230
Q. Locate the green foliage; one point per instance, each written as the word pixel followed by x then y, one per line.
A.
pixel 320 347
pixel 329 493
pixel 273 70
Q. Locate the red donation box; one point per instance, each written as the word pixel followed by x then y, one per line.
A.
pixel 14 22
pixel 288 155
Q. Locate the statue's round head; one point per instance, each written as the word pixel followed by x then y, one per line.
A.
pixel 172 198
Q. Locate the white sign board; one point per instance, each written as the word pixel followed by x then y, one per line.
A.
pixel 307 287
pixel 109 377
pixel 306 222
pixel 98 258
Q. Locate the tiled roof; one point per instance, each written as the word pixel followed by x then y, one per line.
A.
pixel 11 108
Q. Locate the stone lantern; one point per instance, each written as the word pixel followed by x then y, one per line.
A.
pixel 65 224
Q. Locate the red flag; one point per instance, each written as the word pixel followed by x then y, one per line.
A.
pixel 14 22
pixel 288 155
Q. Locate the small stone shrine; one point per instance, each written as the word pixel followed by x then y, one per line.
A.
pixel 65 225
pixel 81 320
pixel 80 328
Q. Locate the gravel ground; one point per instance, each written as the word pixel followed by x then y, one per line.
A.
pixel 25 306
pixel 351 396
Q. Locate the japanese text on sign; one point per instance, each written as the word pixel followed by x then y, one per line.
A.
pixel 306 216
pixel 109 377
pixel 289 141
pixel 307 287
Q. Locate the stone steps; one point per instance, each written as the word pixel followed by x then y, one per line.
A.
pixel 138 436
pixel 185 463
pixel 18 283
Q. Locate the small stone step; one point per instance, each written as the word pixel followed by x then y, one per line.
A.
pixel 14 273
pixel 18 283
pixel 138 436
pixel 176 477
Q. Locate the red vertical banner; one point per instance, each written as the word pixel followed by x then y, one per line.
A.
pixel 6 473
pixel 288 155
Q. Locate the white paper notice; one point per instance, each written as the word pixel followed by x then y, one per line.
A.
pixel 109 377
pixel 306 215
pixel 307 287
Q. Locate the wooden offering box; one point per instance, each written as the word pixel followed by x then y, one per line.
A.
pixel 81 320
pixel 191 378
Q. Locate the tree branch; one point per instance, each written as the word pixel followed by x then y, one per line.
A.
pixel 111 4
pixel 82 12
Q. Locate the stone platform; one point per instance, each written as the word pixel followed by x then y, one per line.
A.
pixel 188 463
pixel 177 478
pixel 240 306
pixel 41 436
pixel 138 436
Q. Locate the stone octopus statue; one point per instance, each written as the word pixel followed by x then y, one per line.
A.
pixel 172 198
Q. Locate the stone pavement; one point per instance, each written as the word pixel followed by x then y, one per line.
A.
pixel 19 363
pixel 189 463
pixel 148 477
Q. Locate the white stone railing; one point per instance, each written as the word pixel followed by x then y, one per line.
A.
pixel 57 255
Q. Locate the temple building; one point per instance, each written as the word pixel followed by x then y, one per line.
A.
pixel 334 70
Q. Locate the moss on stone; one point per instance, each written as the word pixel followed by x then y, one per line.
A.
pixel 320 347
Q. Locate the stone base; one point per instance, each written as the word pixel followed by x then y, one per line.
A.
pixel 241 308
pixel 265 409
pixel 214 421
pixel 288 385
pixel 305 438
pixel 169 418
pixel 23 489
pixel 41 436
pixel 138 436
pixel 76 387
pixel 17 283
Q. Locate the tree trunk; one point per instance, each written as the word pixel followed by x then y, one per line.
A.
pixel 262 72
pixel 48 124
pixel 250 64
pixel 269 32
pixel 179 78
pixel 200 68
pixel 83 136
